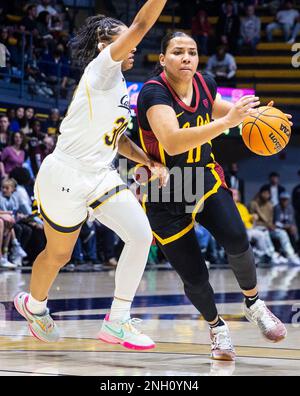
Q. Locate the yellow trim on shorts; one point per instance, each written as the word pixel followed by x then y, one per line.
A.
pixel 117 192
pixel 89 97
pixel 47 218
pixel 214 190
pixel 165 241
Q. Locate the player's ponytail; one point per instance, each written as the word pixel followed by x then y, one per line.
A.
pixel 163 49
pixel 96 29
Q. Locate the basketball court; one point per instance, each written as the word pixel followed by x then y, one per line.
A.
pixel 80 299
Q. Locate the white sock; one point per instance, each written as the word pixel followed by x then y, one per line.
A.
pixel 36 307
pixel 120 310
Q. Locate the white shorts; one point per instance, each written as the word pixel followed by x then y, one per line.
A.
pixel 66 191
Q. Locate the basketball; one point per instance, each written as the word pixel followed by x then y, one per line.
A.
pixel 266 132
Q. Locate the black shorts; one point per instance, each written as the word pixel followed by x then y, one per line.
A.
pixel 171 220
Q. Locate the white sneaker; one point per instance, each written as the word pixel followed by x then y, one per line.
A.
pixel 221 345
pixel 4 263
pixel 17 250
pixel 278 259
pixel 16 260
pixel 270 326
pixel 124 333
pixel 294 259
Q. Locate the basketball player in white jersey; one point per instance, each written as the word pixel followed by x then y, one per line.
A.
pixel 78 177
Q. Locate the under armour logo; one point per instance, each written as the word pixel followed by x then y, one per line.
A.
pixel 65 189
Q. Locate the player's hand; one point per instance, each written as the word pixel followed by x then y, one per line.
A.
pixel 242 109
pixel 161 172
pixel 289 116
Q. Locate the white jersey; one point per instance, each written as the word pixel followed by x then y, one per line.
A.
pixel 98 114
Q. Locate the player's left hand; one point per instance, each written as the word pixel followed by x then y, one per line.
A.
pixel 161 172
pixel 289 116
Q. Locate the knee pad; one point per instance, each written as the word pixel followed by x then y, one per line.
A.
pixel 243 266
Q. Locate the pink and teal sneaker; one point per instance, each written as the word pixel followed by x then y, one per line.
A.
pixel 124 333
pixel 42 326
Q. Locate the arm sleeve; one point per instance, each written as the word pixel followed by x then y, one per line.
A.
pixel 102 72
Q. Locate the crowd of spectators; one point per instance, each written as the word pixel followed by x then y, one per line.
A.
pixel 40 30
pixel 238 30
pixel 271 218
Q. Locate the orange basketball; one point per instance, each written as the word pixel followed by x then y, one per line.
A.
pixel 266 132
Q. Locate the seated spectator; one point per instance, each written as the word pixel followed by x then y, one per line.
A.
pixel 233 180
pixel 285 20
pixel 263 207
pixel 8 39
pixel 11 113
pixel 295 32
pixel 263 246
pixel 209 247
pixel 56 67
pixel 201 29
pixel 4 132
pixel 37 132
pixel 274 187
pixel 228 28
pixel 29 22
pixel 38 151
pixel 222 67
pixel 250 30
pixel 9 204
pixel 37 81
pixel 53 123
pixel 43 24
pixel 19 122
pixel 22 177
pixel 13 155
pixel 234 5
pixel 28 121
pixel 6 223
pixel 45 6
pixel 284 217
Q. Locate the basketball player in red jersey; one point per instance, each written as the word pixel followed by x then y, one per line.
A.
pixel 175 112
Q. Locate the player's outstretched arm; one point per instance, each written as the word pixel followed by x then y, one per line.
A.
pixel 176 140
pixel 130 150
pixel 142 23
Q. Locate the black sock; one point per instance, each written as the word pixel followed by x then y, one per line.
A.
pixel 220 322
pixel 251 300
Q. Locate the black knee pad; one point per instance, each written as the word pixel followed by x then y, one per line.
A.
pixel 243 266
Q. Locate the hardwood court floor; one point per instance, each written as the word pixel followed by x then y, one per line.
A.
pixel 79 301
